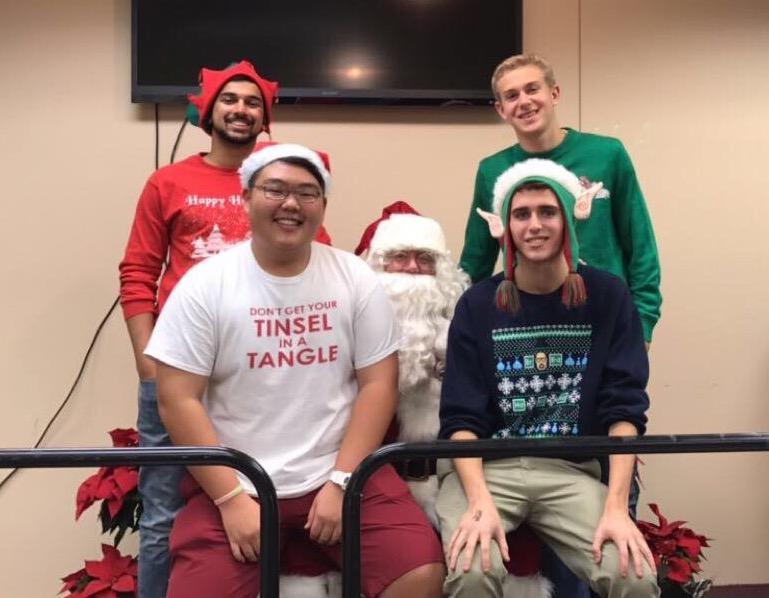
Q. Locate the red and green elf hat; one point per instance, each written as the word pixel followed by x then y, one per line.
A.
pixel 575 201
pixel 211 83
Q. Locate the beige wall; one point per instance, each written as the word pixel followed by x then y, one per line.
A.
pixel 682 83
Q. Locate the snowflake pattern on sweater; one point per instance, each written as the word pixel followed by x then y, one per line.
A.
pixel 539 375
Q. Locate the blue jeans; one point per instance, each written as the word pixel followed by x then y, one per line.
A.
pixel 161 497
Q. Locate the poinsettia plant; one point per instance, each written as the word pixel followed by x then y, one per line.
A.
pixel 677 552
pixel 114 576
pixel 117 488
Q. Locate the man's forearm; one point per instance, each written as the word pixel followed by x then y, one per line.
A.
pixel 470 471
pixel 621 469
pixel 140 329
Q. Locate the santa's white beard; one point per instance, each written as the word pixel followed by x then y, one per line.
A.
pixel 421 311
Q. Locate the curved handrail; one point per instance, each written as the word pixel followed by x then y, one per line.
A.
pixel 584 446
pixel 180 455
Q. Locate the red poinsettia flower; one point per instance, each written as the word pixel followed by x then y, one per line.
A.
pixel 125 437
pixel 679 570
pixel 109 483
pixel 88 492
pixel 691 543
pixel 676 549
pixel 664 529
pixel 113 575
pixel 115 572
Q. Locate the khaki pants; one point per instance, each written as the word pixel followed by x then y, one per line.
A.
pixel 563 502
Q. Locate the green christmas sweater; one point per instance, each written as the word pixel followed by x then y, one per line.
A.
pixel 618 237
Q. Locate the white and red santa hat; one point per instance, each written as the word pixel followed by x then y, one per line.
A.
pixel 402 227
pixel 267 152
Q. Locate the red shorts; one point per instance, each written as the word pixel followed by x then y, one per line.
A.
pixel 203 565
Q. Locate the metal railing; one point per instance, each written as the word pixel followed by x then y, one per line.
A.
pixel 113 457
pixel 582 447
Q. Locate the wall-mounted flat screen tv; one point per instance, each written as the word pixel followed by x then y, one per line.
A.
pixel 328 51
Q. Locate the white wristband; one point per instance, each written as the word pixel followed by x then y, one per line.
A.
pixel 231 494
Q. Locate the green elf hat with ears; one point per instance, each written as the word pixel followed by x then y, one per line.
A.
pixel 575 201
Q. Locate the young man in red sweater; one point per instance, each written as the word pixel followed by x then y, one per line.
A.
pixel 187 211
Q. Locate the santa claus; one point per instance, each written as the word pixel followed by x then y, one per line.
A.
pixel 409 253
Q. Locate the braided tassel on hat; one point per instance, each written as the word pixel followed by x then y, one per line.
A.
pixel 573 293
pixel 508 298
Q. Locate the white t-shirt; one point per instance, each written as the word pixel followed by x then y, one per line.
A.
pixel 280 354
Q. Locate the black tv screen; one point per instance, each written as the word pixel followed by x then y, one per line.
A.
pixel 328 51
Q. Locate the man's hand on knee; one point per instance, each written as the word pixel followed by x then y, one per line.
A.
pixel 324 520
pixel 241 520
pixel 616 526
pixel 479 525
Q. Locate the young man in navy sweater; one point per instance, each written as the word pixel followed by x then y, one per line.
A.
pixel 548 348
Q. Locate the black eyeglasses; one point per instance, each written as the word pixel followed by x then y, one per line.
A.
pixel 303 194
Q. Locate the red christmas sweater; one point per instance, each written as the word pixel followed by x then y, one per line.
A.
pixel 187 212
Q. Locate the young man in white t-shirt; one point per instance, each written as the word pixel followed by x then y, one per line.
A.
pixel 287 350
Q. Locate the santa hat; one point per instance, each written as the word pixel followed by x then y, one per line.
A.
pixel 402 227
pixel 211 83
pixel 270 151
pixel 575 203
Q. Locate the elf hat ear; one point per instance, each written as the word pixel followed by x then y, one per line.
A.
pixel 584 202
pixel 496 229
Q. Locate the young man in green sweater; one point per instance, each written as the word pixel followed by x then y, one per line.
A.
pixel 618 237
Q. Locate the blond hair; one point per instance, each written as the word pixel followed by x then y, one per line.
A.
pixel 517 61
